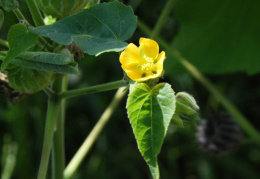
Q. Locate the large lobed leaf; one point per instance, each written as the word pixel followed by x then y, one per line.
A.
pixel 20 39
pixel 150 113
pixel 101 28
pixel 218 36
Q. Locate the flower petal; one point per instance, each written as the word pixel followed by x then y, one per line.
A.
pixel 149 47
pixel 131 55
pixel 133 73
pixel 160 61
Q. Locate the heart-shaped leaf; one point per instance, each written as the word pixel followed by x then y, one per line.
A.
pixel 150 113
pixel 98 29
pixel 20 39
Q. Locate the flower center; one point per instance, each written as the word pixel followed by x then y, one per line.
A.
pixel 148 66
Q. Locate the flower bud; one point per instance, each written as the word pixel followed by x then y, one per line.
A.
pixel 186 109
pixel 186 104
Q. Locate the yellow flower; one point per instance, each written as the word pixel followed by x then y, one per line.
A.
pixel 143 63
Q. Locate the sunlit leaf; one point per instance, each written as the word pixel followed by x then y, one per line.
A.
pixel 150 113
pixel 98 29
pixel 20 39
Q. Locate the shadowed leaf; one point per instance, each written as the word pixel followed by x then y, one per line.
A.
pixel 101 28
pixel 20 39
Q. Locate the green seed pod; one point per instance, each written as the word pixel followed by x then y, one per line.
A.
pixel 28 80
pixel 61 8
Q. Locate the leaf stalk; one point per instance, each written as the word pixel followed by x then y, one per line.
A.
pixel 92 89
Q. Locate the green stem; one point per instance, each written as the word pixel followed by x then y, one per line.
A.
pixel 86 146
pixel 162 19
pixel 49 92
pixel 19 14
pixel 4 43
pixel 243 122
pixel 36 15
pixel 58 147
pixel 52 114
pixel 92 89
pixel 54 107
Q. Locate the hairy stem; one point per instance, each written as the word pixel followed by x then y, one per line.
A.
pixel 92 89
pixel 243 122
pixel 86 146
pixel 36 15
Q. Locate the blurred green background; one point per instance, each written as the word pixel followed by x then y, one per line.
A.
pixel 221 38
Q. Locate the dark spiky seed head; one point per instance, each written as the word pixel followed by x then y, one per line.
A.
pixel 219 133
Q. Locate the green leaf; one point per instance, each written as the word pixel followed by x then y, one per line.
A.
pixel 65 69
pixel 101 28
pixel 150 112
pixel 45 61
pixel 1 18
pixel 20 39
pixel 218 36
pixel 45 57
pixel 28 80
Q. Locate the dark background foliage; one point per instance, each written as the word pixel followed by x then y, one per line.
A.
pixel 227 52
